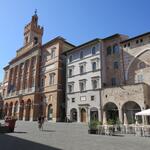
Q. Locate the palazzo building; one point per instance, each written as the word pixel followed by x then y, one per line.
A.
pixel 34 80
pixel 83 68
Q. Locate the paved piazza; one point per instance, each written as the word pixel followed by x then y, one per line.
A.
pixel 62 136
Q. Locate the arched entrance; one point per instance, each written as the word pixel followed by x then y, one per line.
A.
pixel 93 113
pixel 129 109
pixel 10 109
pixel 21 110
pixel 111 111
pixel 73 115
pixel 16 109
pixel 50 112
pixel 83 115
pixel 28 110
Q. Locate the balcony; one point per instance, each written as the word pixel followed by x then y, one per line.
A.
pixel 20 92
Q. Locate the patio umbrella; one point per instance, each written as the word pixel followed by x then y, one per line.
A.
pixel 143 113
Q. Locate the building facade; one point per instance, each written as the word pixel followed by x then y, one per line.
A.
pixel 103 79
pixel 124 100
pixel 33 82
pixel 123 80
pixel 83 80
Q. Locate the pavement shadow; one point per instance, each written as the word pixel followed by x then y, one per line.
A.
pixel 19 132
pixel 8 142
pixel 48 130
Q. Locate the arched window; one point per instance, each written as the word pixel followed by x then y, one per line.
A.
pixel 115 49
pixel 141 65
pixel 35 40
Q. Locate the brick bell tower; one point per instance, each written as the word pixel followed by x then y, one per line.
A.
pixel 33 32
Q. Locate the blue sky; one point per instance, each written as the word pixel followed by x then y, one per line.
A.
pixel 76 20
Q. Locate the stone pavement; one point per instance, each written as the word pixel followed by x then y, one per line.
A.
pixel 63 136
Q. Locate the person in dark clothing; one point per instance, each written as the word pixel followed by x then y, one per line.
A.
pixel 40 122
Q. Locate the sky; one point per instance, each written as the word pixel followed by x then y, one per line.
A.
pixel 78 21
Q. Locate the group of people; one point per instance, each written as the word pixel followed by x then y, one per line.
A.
pixel 40 122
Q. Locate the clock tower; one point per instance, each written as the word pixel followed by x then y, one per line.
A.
pixel 33 32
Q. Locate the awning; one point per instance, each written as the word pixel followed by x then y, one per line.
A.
pixel 143 113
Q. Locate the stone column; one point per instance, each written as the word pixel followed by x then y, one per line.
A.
pixel 18 79
pixel 78 114
pixel 22 78
pixel 99 114
pixel 88 114
pixel 30 74
pixel 36 76
pixel 104 118
pixel 120 115
pixel 13 108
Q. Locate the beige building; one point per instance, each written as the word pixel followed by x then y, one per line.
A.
pixel 33 82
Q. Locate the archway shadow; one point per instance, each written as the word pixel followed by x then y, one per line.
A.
pixel 8 142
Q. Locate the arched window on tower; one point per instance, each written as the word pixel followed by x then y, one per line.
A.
pixel 35 40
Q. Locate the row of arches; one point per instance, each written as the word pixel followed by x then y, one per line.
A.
pixel 110 112
pixel 83 114
pixel 22 110
pixel 18 109
pixel 128 110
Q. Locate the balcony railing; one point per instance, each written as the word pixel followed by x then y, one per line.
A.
pixel 20 92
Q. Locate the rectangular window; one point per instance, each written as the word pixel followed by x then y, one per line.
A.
pixel 92 98
pixel 70 72
pixel 70 88
pixel 140 78
pixel 73 100
pixel 51 78
pixel 53 53
pixel 113 81
pixel 108 50
pixel 94 66
pixel 70 58
pixel 32 81
pixel 81 69
pixel 82 85
pixel 116 65
pixel 115 49
pixel 83 98
pixel 95 83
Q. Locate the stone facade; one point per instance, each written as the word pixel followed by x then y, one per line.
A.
pixel 124 100
pixel 132 93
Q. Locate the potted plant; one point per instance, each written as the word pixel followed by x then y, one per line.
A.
pixel 93 129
